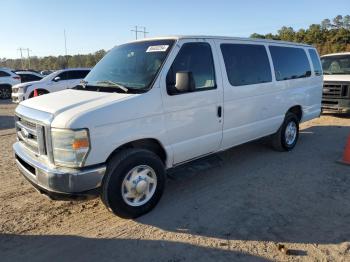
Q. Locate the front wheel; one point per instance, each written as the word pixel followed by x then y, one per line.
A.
pixel 134 183
pixel 287 135
pixel 5 92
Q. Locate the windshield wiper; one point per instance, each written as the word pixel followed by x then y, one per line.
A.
pixel 114 84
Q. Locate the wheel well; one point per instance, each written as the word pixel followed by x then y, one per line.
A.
pixel 297 111
pixel 38 89
pixel 148 143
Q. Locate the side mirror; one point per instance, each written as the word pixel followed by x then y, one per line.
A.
pixel 56 79
pixel 184 82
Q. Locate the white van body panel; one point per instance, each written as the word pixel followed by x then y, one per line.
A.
pixel 186 126
pixel 191 119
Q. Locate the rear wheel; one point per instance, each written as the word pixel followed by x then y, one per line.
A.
pixel 5 92
pixel 287 135
pixel 134 183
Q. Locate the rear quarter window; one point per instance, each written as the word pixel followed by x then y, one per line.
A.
pixel 246 64
pixel 289 62
pixel 315 62
pixel 4 74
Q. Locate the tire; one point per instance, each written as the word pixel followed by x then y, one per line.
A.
pixel 5 92
pixel 115 186
pixel 281 141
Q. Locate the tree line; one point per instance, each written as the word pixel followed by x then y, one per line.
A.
pixel 329 36
pixel 54 62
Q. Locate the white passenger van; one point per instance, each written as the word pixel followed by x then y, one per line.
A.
pixel 336 87
pixel 153 104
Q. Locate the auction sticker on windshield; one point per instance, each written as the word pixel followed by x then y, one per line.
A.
pixel 157 48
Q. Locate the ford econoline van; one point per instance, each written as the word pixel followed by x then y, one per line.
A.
pixel 336 87
pixel 154 104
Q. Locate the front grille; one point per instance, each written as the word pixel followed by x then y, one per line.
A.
pixel 31 134
pixel 335 90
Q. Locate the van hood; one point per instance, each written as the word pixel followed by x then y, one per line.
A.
pixel 72 100
pixel 340 78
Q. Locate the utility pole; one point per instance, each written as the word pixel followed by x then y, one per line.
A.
pixel 65 42
pixel 136 30
pixel 20 50
pixel 28 51
pixel 65 46
pixel 144 32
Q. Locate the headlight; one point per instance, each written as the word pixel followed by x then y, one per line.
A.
pixel 70 147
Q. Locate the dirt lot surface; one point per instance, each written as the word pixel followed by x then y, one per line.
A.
pixel 239 204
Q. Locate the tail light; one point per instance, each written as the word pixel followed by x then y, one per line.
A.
pixel 16 77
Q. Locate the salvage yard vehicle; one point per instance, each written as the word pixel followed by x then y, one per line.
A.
pixel 7 80
pixel 29 76
pixel 57 81
pixel 153 104
pixel 336 87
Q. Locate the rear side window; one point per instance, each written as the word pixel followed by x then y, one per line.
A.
pixel 4 74
pixel 289 62
pixel 79 74
pixel 196 58
pixel 246 64
pixel 315 62
pixel 29 78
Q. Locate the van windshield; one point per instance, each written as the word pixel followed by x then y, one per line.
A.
pixel 336 65
pixel 128 67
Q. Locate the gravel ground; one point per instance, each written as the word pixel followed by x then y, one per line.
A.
pixel 239 204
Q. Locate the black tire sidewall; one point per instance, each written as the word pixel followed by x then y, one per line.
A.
pixel 289 117
pixel 112 188
pixel 3 89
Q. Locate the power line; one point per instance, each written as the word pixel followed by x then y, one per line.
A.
pixel 21 49
pixel 136 30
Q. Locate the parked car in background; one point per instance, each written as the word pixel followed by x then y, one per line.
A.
pixel 57 81
pixel 7 80
pixel 336 87
pixel 46 72
pixel 29 76
pixel 157 103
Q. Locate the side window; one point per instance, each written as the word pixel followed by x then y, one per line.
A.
pixel 79 74
pixel 246 64
pixel 290 62
pixel 197 59
pixel 315 62
pixel 4 74
pixel 32 78
pixel 24 78
pixel 64 75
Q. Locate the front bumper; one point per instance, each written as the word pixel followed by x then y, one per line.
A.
pixel 336 105
pixel 58 182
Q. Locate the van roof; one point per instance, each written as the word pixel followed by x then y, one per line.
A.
pixel 336 54
pixel 177 37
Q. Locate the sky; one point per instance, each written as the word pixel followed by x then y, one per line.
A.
pixel 92 25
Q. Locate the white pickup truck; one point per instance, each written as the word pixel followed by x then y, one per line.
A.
pixel 153 104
